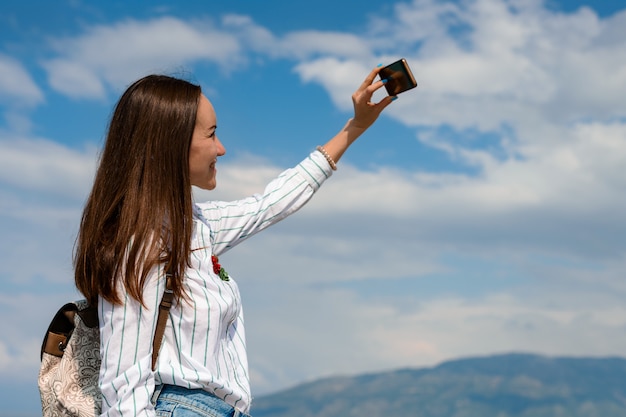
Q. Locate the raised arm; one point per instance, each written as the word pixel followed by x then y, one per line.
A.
pixel 365 114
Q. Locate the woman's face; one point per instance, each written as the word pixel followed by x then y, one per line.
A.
pixel 205 147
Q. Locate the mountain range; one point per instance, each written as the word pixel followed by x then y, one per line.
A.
pixel 508 385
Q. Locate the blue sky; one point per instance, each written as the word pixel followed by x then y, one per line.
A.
pixel 483 213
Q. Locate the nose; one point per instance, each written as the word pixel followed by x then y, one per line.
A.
pixel 221 150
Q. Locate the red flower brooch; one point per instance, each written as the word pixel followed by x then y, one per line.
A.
pixel 217 268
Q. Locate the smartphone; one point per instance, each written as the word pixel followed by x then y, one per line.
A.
pixel 399 77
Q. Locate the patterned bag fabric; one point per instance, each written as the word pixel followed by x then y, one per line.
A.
pixel 70 363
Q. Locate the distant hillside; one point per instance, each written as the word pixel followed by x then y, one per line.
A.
pixel 513 385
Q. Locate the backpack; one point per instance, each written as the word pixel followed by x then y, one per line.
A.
pixel 70 359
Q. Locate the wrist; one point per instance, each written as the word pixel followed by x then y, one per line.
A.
pixel 353 130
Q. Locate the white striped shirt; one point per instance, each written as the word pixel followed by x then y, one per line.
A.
pixel 204 345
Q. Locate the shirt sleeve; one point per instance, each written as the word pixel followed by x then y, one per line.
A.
pixel 232 222
pixel 126 336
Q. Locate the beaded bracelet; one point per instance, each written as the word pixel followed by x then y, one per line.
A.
pixel 328 158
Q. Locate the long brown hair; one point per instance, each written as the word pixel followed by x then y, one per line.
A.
pixel 139 212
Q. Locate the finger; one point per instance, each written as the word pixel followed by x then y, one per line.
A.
pixel 370 77
pixel 375 86
pixel 380 106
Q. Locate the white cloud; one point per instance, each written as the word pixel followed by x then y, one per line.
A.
pixel 118 54
pixel 45 166
pixel 336 75
pixel 549 87
pixel 296 45
pixel 485 63
pixel 74 78
pixel 255 37
pixel 330 331
pixel 16 84
pixel 303 44
pixel 43 186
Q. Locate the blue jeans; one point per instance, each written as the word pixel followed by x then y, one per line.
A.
pixel 173 401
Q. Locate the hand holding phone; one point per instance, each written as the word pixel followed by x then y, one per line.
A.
pixel 399 77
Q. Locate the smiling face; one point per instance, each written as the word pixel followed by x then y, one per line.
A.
pixel 205 147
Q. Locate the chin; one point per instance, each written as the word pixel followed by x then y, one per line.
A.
pixel 207 183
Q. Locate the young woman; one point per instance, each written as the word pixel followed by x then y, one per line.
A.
pixel 140 220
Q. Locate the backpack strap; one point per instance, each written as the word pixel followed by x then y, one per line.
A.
pixel 164 308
